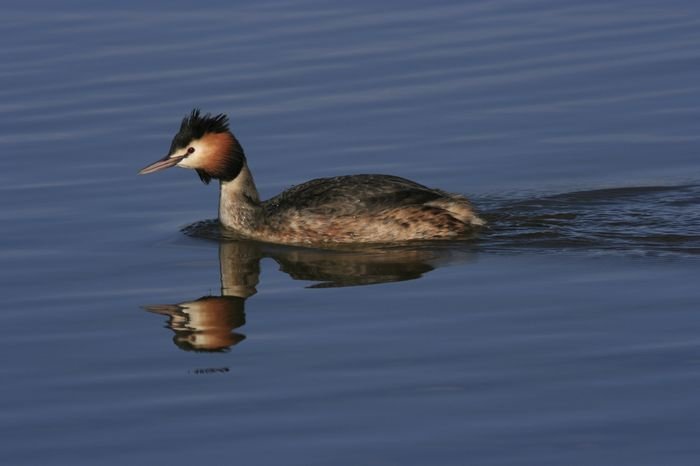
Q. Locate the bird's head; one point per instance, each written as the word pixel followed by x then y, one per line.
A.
pixel 203 143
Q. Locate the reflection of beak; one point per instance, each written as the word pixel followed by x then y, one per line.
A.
pixel 162 164
pixel 167 309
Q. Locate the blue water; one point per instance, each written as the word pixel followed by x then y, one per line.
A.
pixel 134 332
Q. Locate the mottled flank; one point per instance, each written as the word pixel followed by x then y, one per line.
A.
pixel 365 209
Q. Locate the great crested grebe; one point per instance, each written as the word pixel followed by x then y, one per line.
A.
pixel 340 210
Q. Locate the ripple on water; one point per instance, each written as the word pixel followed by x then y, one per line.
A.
pixel 633 220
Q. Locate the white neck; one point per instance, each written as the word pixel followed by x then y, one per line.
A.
pixel 239 204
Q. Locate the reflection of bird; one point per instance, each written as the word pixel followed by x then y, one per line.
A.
pixel 208 323
pixel 340 210
pixel 205 324
pixel 338 269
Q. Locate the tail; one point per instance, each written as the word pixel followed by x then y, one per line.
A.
pixel 460 208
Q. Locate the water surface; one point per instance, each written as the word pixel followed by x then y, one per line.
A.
pixel 567 333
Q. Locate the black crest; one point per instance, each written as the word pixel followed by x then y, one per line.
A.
pixel 195 125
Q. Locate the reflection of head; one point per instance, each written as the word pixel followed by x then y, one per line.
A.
pixel 191 341
pixel 205 324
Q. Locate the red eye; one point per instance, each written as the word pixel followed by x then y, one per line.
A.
pixel 190 150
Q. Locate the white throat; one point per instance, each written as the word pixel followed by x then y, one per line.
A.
pixel 239 204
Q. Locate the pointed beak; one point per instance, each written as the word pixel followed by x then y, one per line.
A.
pixel 162 164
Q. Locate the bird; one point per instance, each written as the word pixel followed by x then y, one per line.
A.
pixel 341 210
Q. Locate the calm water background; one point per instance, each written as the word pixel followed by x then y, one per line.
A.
pixel 568 334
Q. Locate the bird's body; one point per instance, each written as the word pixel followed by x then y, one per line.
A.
pixel 325 211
